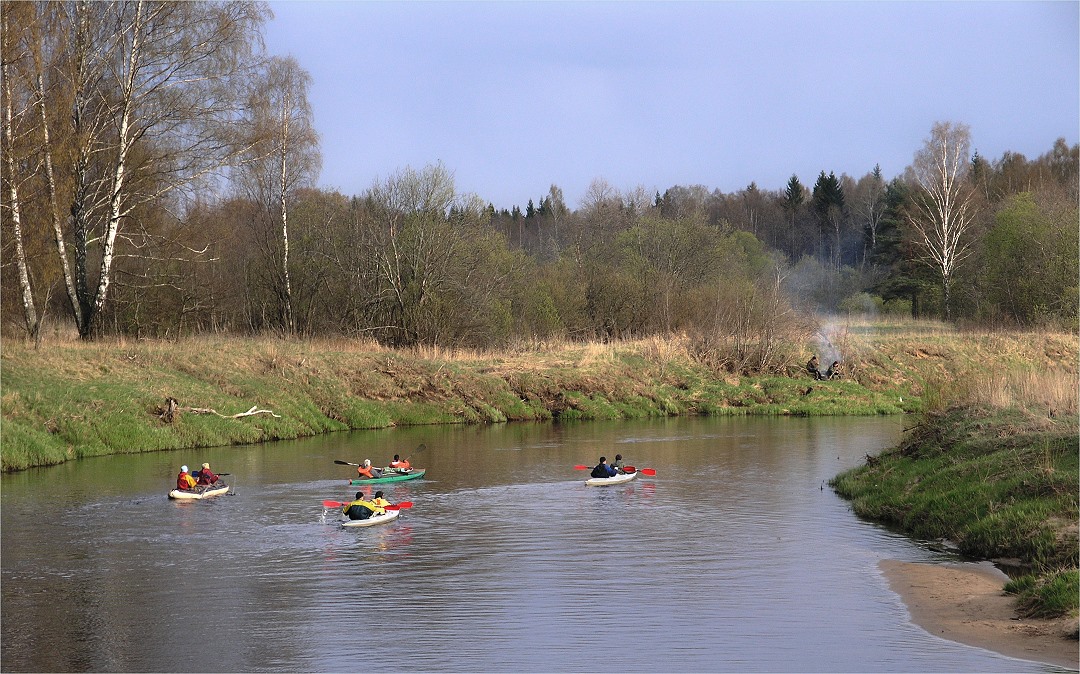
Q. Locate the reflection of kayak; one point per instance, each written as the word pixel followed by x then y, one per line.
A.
pixel 373 520
pixel 606 481
pixel 390 475
pixel 199 492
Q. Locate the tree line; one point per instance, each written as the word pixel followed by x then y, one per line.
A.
pixel 159 178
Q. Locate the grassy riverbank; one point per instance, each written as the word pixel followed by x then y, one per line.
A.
pixel 68 399
pixel 993 465
pixel 1001 483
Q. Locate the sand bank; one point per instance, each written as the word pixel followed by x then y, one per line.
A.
pixel 965 603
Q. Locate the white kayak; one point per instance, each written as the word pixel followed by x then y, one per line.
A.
pixel 199 492
pixel 373 520
pixel 607 481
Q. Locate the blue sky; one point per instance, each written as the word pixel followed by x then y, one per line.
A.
pixel 516 96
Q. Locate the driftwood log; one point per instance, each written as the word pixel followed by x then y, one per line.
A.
pixel 172 409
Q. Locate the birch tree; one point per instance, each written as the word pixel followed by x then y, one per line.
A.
pixel 154 89
pixel 283 158
pixel 868 202
pixel 17 108
pixel 943 212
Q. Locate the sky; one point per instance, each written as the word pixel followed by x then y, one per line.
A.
pixel 515 96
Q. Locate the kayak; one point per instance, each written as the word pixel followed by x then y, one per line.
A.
pixel 199 492
pixel 387 516
pixel 607 481
pixel 390 475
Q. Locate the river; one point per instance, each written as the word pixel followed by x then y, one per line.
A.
pixel 736 556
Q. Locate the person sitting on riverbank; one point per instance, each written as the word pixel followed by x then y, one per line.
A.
pixel 361 509
pixel 602 469
pixel 184 481
pixel 833 371
pixel 367 472
pixel 812 368
pixel 401 465
pixel 206 476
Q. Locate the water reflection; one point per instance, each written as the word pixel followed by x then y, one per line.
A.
pixel 733 558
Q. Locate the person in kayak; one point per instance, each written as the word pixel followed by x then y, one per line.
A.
pixel 617 464
pixel 379 500
pixel 206 476
pixel 361 509
pixel 603 469
pixel 400 464
pixel 184 481
pixel 366 471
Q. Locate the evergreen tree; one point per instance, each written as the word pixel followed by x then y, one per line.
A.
pixel 794 196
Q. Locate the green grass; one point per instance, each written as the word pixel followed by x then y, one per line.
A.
pixel 72 399
pixel 1046 596
pixel 1001 484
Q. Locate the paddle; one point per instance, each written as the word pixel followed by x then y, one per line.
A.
pixel 421 447
pixel 404 505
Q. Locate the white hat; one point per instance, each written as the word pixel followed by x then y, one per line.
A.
pixel 367 462
pixel 183 469
pixel 206 465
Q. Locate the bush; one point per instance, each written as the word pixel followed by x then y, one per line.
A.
pixel 861 303
pixel 897 307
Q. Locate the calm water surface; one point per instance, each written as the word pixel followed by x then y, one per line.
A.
pixel 735 557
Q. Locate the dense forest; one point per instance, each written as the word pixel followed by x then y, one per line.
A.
pixel 160 172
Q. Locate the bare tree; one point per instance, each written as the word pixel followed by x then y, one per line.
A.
pixel 283 158
pixel 18 107
pixel 868 203
pixel 154 91
pixel 943 212
pixel 412 247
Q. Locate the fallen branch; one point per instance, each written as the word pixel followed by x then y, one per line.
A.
pixel 172 409
pixel 253 411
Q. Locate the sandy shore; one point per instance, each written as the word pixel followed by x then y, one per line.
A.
pixel 965 603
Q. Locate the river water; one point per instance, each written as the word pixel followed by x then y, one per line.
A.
pixel 736 556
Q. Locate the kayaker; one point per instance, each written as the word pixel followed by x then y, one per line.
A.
pixel 379 500
pixel 617 464
pixel 602 469
pixel 400 464
pixel 366 471
pixel 361 509
pixel 206 476
pixel 184 481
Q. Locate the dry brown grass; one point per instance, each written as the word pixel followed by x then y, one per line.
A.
pixel 1035 369
pixel 1052 391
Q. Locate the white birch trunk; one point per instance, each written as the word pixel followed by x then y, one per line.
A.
pixel 289 325
pixel 29 311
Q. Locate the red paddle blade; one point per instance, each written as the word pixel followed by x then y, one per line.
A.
pixel 581 467
pixel 648 471
pixel 404 505
pixel 332 504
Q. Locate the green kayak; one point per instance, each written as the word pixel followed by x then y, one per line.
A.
pixel 390 475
